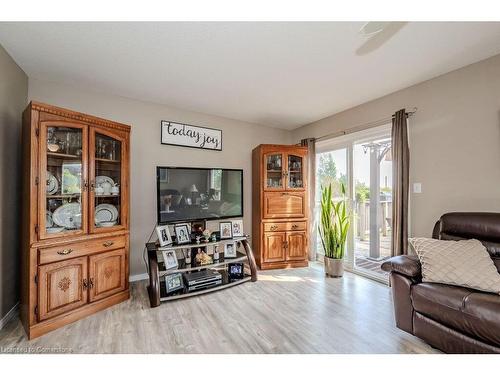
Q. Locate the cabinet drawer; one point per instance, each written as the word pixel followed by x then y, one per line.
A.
pixel 284 227
pixel 283 205
pixel 77 249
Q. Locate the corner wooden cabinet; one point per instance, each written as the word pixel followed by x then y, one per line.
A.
pixel 279 213
pixel 75 220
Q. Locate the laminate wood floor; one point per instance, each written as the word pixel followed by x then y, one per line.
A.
pixel 286 311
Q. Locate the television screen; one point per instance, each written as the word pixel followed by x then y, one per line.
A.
pixel 189 194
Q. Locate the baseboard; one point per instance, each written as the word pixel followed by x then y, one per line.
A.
pixel 141 276
pixel 10 315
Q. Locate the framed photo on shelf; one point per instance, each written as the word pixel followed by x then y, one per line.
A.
pixel 235 271
pixel 226 230
pixel 163 235
pixel 237 228
pixel 230 250
pixel 182 233
pixel 173 282
pixel 170 259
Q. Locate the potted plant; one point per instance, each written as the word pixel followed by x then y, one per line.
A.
pixel 333 228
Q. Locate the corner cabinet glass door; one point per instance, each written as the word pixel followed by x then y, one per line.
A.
pixel 273 171
pixel 294 173
pixel 107 155
pixel 63 180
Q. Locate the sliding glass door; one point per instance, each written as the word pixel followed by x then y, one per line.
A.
pixel 362 162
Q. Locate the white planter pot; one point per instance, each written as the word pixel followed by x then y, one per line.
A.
pixel 334 267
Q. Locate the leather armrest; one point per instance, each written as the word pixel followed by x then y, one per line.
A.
pixel 406 265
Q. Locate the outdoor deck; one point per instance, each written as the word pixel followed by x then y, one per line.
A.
pixel 361 252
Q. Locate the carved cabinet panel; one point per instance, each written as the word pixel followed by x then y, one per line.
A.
pixel 274 247
pixel 107 274
pixel 62 287
pixel 296 245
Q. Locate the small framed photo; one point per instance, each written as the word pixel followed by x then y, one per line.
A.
pixel 236 271
pixel 170 259
pixel 225 229
pixel 230 250
pixel 173 282
pixel 182 233
pixel 163 235
pixel 237 228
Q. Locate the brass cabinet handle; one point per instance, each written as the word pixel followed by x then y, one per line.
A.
pixel 85 284
pixel 274 227
pixel 285 244
pixel 108 243
pixel 91 283
pixel 92 185
pixel 65 251
pixel 295 226
pixel 85 185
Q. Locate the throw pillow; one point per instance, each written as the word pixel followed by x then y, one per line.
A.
pixel 463 263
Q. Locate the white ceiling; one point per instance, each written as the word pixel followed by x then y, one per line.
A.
pixel 277 74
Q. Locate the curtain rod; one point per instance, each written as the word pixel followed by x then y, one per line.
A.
pixel 365 126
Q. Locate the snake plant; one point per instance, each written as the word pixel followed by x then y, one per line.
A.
pixel 334 223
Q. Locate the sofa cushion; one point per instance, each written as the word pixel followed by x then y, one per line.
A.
pixel 462 263
pixel 473 313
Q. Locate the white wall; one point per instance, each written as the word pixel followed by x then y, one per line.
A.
pixel 239 138
pixel 454 140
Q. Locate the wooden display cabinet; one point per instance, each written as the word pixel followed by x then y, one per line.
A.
pixel 279 213
pixel 75 220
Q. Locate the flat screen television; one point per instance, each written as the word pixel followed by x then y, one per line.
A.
pixel 190 194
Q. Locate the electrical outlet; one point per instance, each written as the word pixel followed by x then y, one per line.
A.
pixel 417 187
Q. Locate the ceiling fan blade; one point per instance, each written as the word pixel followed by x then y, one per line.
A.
pixel 378 38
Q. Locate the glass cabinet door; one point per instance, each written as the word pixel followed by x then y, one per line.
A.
pixel 63 181
pixel 295 172
pixel 106 171
pixel 273 171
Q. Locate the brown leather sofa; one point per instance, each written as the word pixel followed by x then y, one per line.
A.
pixel 449 318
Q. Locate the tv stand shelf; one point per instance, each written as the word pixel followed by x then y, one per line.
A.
pixel 157 290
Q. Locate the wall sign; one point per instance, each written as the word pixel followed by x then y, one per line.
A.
pixel 176 134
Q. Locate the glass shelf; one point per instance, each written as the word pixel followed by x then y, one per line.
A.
pixel 183 267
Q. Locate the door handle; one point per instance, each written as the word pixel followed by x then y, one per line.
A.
pixel 65 251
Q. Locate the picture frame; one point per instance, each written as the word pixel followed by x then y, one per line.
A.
pixel 170 259
pixel 164 237
pixel 236 271
pixel 182 233
pixel 237 227
pixel 174 282
pixel 225 230
pixel 230 250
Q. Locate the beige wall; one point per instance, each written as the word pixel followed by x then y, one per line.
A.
pixel 13 100
pixel 454 140
pixel 239 138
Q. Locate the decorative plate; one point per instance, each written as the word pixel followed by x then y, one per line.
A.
pixel 52 184
pixel 48 220
pixel 99 180
pixel 54 230
pixel 105 212
pixel 68 215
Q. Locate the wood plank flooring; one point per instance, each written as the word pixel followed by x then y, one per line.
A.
pixel 286 311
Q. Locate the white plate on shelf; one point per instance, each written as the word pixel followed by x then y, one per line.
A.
pixel 99 180
pixel 107 224
pixel 54 230
pixel 68 215
pixel 105 212
pixel 52 184
pixel 48 220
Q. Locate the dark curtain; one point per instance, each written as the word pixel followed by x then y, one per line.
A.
pixel 311 183
pixel 400 183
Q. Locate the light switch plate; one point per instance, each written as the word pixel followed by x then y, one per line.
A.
pixel 417 187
